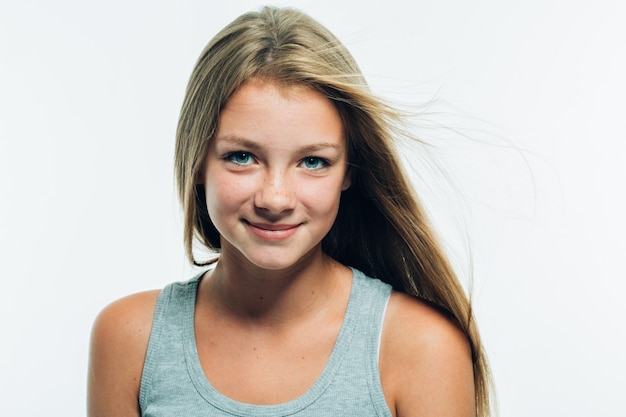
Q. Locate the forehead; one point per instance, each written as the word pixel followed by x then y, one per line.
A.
pixel 264 92
pixel 263 110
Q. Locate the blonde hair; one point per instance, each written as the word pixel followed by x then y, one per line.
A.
pixel 287 47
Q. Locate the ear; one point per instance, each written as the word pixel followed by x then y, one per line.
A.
pixel 200 177
pixel 347 180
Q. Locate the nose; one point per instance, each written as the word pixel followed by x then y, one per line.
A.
pixel 276 194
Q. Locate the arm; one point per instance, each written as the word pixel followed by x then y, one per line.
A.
pixel 119 342
pixel 425 362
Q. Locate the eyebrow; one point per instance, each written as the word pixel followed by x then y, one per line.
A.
pixel 255 146
pixel 236 140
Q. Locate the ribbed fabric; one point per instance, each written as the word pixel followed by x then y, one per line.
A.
pixel 174 385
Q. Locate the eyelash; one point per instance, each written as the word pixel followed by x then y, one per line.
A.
pixel 322 161
pixel 249 158
pixel 230 157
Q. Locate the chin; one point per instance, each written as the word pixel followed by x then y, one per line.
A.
pixel 279 260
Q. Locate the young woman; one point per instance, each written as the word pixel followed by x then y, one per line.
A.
pixel 329 293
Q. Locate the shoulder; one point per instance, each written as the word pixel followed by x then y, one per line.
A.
pixel 127 320
pixel 425 361
pixel 119 341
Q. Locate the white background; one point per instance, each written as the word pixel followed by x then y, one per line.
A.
pixel 89 98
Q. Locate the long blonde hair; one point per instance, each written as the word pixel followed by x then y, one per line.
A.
pixel 381 227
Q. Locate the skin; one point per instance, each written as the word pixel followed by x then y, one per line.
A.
pixel 273 177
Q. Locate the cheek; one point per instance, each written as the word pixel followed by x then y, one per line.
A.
pixel 322 197
pixel 224 194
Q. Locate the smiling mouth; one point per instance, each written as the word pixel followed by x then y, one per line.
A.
pixel 267 231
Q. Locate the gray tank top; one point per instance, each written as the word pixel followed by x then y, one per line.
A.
pixel 174 385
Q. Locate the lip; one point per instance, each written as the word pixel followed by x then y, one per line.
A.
pixel 268 231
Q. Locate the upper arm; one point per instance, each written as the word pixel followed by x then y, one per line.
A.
pixel 425 362
pixel 119 341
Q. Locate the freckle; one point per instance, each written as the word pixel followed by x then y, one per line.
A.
pixel 254 349
pixel 302 357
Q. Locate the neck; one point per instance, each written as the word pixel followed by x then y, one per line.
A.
pixel 273 297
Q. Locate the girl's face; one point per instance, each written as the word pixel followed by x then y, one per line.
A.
pixel 274 173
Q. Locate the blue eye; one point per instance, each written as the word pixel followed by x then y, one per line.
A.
pixel 313 162
pixel 240 158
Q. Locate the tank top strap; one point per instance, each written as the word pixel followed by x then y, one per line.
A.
pixel 374 297
pixel 175 306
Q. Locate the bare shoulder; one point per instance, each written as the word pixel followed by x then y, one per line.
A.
pixel 425 361
pixel 119 341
